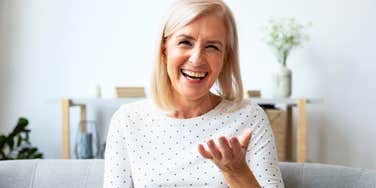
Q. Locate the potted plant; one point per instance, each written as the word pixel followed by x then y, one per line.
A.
pixel 283 35
pixel 16 145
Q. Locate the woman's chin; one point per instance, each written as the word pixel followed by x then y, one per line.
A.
pixel 192 91
pixel 194 95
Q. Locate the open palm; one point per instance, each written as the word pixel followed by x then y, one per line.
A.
pixel 229 155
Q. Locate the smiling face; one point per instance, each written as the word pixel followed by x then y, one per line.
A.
pixel 194 55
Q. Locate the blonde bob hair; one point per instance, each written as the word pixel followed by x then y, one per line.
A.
pixel 182 13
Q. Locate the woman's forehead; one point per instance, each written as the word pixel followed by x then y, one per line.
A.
pixel 208 27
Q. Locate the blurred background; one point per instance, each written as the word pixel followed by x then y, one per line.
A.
pixel 54 49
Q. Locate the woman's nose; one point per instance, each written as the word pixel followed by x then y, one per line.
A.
pixel 196 56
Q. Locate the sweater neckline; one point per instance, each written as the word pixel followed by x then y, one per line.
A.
pixel 202 116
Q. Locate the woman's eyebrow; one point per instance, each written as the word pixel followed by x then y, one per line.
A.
pixel 192 38
pixel 186 36
pixel 215 42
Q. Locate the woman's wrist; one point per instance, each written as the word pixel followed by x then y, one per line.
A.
pixel 240 178
pixel 239 170
pixel 237 173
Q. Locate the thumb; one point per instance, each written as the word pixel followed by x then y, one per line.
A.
pixel 245 138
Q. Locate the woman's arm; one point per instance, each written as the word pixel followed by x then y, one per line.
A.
pixel 117 171
pixel 261 154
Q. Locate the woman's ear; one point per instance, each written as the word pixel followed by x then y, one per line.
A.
pixel 164 52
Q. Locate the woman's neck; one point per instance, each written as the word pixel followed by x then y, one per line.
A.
pixel 192 108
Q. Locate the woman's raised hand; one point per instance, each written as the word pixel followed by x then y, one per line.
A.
pixel 229 155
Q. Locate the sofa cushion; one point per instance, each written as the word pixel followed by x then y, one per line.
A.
pixel 57 173
pixel 313 175
pixel 51 173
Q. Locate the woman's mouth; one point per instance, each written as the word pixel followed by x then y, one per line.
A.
pixel 193 75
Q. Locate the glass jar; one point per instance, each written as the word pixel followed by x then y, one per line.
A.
pixel 87 141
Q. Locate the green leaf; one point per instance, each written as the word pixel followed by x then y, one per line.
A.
pixel 38 156
pixel 10 144
pixel 22 122
pixel 31 152
pixel 15 140
pixel 19 140
pixel 23 153
pixel 26 138
pixel 3 139
pixel 20 155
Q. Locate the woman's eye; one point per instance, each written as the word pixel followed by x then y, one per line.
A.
pixel 185 43
pixel 213 47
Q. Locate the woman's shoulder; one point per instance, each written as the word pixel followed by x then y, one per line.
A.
pixel 245 106
pixel 137 107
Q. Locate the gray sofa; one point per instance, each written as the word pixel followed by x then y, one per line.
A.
pixel 89 174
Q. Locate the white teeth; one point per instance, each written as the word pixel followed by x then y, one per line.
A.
pixel 194 74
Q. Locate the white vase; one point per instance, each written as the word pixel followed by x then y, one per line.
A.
pixel 281 82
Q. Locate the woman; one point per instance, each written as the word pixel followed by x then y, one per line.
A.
pixel 188 136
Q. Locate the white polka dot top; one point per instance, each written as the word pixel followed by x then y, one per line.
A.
pixel 146 148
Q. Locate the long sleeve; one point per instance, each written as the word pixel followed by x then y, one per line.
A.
pixel 117 170
pixel 262 152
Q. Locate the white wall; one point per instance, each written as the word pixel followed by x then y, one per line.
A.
pixel 51 49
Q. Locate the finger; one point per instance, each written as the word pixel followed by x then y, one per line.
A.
pixel 246 137
pixel 225 147
pixel 235 145
pixel 206 154
pixel 214 150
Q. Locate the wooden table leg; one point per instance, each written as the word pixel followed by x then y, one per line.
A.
pixel 83 112
pixel 65 144
pixel 83 118
pixel 289 135
pixel 65 105
pixel 301 131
